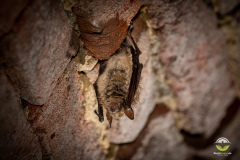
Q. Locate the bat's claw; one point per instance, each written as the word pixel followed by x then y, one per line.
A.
pixel 100 118
pixel 127 45
pixel 131 25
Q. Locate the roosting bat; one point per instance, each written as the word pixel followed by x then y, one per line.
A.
pixel 117 86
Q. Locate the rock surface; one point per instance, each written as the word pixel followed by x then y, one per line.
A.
pixel 225 7
pixel 203 148
pixel 194 52
pixel 84 61
pixel 103 24
pixel 162 141
pixel 7 20
pixel 37 49
pixel 60 125
pixel 17 138
pixel 231 29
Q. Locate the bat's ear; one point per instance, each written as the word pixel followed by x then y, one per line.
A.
pixel 129 113
pixel 109 118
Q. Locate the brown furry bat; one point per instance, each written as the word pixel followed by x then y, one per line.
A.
pixel 117 86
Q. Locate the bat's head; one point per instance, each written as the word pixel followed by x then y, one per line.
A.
pixel 115 107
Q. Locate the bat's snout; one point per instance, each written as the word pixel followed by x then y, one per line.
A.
pixel 115 107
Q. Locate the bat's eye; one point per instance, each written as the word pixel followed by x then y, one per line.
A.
pixel 115 107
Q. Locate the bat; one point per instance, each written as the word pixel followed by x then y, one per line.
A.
pixel 117 86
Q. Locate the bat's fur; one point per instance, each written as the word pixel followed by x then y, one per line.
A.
pixel 117 87
pixel 114 79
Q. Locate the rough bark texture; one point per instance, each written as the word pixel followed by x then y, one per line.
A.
pixel 190 82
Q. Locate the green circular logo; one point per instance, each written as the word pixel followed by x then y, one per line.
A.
pixel 222 144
